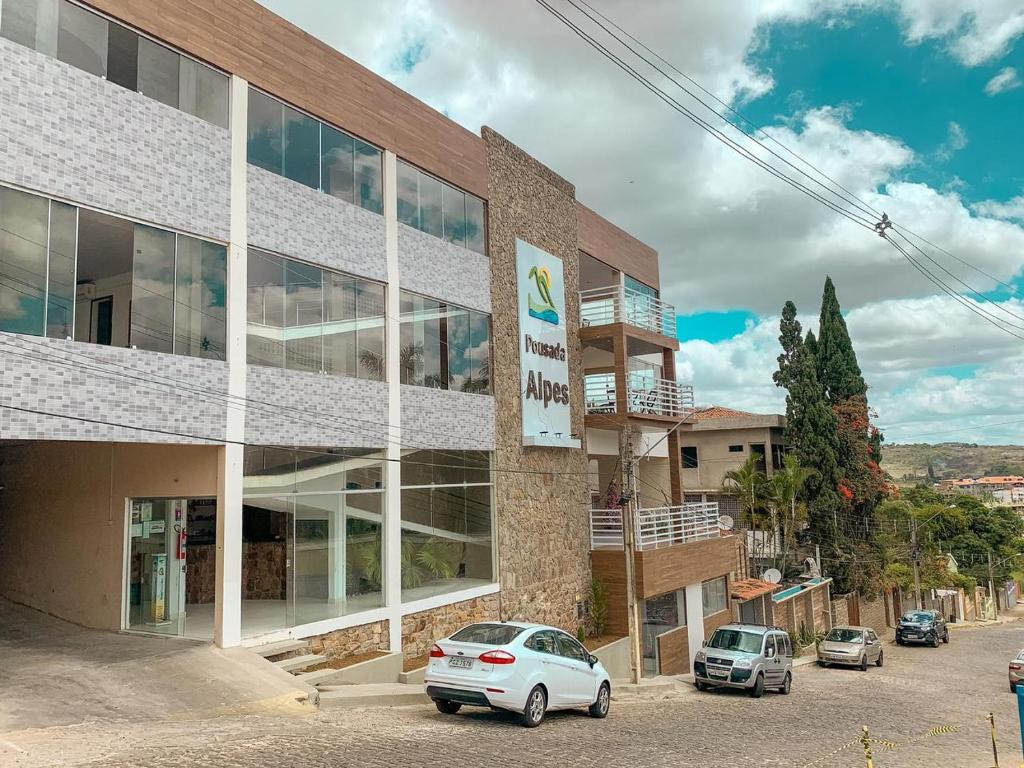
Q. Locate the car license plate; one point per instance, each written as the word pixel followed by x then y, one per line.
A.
pixel 460 663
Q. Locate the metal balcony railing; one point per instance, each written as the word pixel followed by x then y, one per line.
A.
pixel 645 395
pixel 618 304
pixel 656 527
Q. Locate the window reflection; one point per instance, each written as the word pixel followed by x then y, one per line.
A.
pixel 443 346
pixel 439 209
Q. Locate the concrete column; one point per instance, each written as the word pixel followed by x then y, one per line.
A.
pixel 392 468
pixel 695 618
pixel 228 610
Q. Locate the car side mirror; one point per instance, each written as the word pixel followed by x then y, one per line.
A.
pixel 592 660
pixel 704 643
pixel 770 653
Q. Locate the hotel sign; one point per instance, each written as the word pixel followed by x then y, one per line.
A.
pixel 543 352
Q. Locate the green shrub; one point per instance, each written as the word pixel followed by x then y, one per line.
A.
pixel 598 608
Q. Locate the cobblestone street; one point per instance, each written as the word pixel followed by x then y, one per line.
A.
pixel 917 690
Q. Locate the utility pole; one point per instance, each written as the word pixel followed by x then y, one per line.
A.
pixel 915 552
pixel 992 587
pixel 629 545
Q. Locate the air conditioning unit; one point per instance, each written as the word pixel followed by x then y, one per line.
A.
pixel 86 291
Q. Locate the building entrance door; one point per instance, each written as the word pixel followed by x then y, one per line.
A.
pixel 164 592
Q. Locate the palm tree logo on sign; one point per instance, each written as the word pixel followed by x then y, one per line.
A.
pixel 545 309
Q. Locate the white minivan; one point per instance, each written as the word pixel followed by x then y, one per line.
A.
pixel 524 668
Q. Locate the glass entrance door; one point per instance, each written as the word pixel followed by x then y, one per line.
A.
pixel 156 565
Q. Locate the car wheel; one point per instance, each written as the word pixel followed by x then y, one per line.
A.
pixel 757 690
pixel 599 708
pixel 699 685
pixel 881 655
pixel 822 663
pixel 864 663
pixel 899 640
pixel 787 683
pixel 945 636
pixel 447 707
pixel 935 640
pixel 536 706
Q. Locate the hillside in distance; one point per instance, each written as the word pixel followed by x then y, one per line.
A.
pixel 910 464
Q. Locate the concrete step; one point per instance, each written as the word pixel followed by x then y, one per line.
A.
pixel 297 664
pixel 322 677
pixel 413 678
pixel 372 695
pixel 281 647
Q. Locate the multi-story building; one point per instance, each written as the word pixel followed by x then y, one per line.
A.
pixel 288 354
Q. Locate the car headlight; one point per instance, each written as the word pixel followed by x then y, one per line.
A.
pixel 742 664
pixel 701 656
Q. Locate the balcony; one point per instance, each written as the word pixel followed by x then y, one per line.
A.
pixel 656 527
pixel 618 304
pixel 645 395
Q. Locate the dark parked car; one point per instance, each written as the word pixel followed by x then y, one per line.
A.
pixel 922 627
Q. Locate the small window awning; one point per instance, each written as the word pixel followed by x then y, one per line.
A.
pixel 748 589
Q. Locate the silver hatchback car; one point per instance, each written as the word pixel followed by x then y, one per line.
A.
pixel 851 646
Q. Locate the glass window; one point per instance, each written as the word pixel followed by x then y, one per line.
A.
pixel 265 309
pixel 443 346
pixel 543 642
pixel 32 23
pixel 430 206
pixel 368 172
pixel 408 195
pixel 714 596
pixel 266 132
pixel 476 225
pixel 23 236
pixel 340 346
pixel 336 163
pixel 690 460
pixel 301 148
pixel 159 68
pixel 454 204
pixel 104 279
pixel 123 57
pixel 303 318
pixel 769 645
pixel 460 369
pixel 370 330
pixel 735 449
pixel 479 353
pixel 82 39
pixel 153 290
pixel 488 634
pixel 446 525
pixel 60 282
pixel 203 92
pixel 201 299
pixel 570 648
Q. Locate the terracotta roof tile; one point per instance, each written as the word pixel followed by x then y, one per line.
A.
pixel 748 589
pixel 719 412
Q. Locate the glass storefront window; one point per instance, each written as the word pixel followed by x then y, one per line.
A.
pixel 312 527
pixel 447 521
pixel 714 594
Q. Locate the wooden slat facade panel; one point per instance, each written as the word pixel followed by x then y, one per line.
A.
pixel 674 652
pixel 609 567
pixel 671 568
pixel 616 247
pixel 244 38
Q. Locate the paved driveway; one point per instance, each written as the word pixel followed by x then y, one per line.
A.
pixel 918 689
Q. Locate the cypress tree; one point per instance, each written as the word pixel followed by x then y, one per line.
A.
pixel 838 370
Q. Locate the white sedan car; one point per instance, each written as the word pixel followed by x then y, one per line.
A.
pixel 524 668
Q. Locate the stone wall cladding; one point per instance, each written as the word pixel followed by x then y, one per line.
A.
pixel 422 630
pixel 291 219
pixel 70 134
pixel 436 268
pixel 542 500
pixel 438 418
pixel 310 409
pixel 352 641
pixel 182 397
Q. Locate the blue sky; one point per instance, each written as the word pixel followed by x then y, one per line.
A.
pixel 916 106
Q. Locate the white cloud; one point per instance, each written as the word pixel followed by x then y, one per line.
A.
pixel 956 139
pixel 1012 209
pixel 1006 80
pixel 978 30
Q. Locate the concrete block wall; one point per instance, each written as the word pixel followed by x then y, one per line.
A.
pixel 437 418
pixel 72 135
pixel 436 268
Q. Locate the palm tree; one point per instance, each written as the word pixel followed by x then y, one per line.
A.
pixel 785 487
pixel 748 484
pixel 373 363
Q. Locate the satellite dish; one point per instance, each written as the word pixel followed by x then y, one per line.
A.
pixel 772 575
pixel 725 522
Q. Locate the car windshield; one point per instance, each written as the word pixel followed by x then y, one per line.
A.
pixel 487 634
pixel 736 640
pixel 917 616
pixel 845 636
